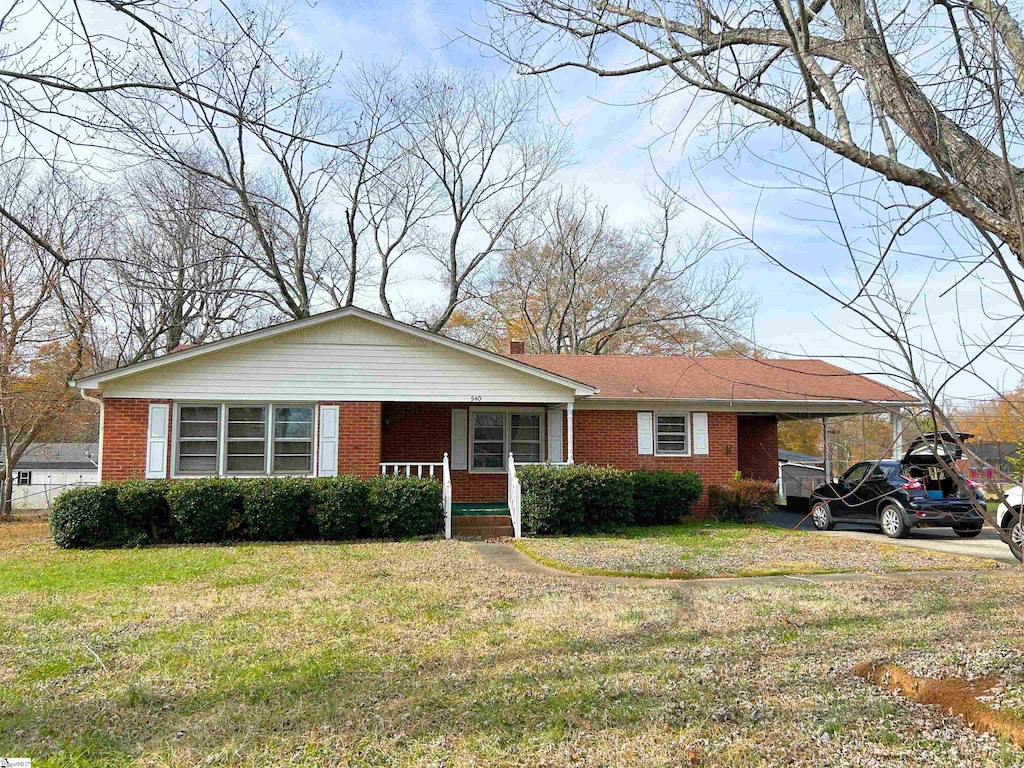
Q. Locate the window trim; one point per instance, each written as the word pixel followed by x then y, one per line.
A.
pixel 27 473
pixel 506 431
pixel 222 439
pixel 689 433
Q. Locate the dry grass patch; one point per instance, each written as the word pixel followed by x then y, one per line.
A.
pixel 423 654
pixel 701 550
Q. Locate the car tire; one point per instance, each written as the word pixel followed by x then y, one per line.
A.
pixel 1016 531
pixel 967 533
pixel 890 518
pixel 821 516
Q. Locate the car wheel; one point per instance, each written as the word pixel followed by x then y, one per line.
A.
pixel 821 516
pixel 1017 536
pixel 892 522
pixel 967 533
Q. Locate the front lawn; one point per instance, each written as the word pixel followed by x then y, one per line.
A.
pixel 697 550
pixel 424 654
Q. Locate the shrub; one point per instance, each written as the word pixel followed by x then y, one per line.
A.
pixel 575 499
pixel 142 504
pixel 661 497
pixel 205 509
pixel 399 507
pixel 275 508
pixel 340 507
pixel 88 517
pixel 552 500
pixel 742 501
pixel 607 498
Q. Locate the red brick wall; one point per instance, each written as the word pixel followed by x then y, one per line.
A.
pixel 123 447
pixel 758 447
pixel 359 438
pixel 609 438
pixel 423 432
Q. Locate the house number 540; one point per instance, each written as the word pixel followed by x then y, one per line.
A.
pixel 475 398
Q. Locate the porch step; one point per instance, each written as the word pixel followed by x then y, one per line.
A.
pixel 481 526
pixel 479 509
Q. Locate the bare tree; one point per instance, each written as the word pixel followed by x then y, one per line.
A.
pixel 275 182
pixel 176 279
pixel 45 313
pixel 842 74
pixel 489 159
pixel 71 72
pixel 582 286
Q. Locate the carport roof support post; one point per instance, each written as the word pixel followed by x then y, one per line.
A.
pixel 897 435
pixel 825 449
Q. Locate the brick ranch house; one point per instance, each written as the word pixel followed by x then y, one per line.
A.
pixel 352 392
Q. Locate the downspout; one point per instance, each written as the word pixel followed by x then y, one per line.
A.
pixel 99 442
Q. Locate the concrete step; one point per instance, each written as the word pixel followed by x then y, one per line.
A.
pixel 471 521
pixel 482 526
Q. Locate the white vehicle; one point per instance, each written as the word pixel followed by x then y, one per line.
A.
pixel 1008 517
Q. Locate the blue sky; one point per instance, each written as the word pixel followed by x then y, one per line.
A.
pixel 616 146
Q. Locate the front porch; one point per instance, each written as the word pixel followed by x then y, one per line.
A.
pixel 479 446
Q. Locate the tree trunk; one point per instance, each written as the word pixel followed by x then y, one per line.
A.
pixel 6 507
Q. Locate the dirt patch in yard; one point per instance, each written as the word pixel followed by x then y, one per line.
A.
pixel 951 695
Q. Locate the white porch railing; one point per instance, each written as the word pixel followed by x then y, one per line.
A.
pixel 515 498
pixel 446 495
pixel 411 468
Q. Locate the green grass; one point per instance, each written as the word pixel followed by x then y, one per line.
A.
pixel 421 653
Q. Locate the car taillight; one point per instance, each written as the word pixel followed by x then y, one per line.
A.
pixel 911 484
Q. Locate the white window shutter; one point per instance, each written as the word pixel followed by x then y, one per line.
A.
pixel 644 432
pixel 328 460
pixel 460 454
pixel 554 435
pixel 700 433
pixel 156 441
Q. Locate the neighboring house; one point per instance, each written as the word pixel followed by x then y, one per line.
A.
pixel 799 475
pixel 46 469
pixel 349 391
pixel 986 462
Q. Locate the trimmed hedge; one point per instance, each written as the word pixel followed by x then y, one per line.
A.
pixel 205 510
pixel 89 517
pixel 142 504
pixel 209 510
pixel 584 498
pixel 340 507
pixel 662 497
pixel 401 507
pixel 275 508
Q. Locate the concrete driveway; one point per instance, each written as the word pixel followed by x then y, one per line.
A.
pixel 988 545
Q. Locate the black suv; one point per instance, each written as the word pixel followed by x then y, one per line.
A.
pixel 900 495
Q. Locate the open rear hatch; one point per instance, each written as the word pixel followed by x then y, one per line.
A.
pixel 926 460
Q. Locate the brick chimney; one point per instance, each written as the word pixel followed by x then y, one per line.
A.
pixel 517 347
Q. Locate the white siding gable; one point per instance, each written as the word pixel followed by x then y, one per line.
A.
pixel 345 359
